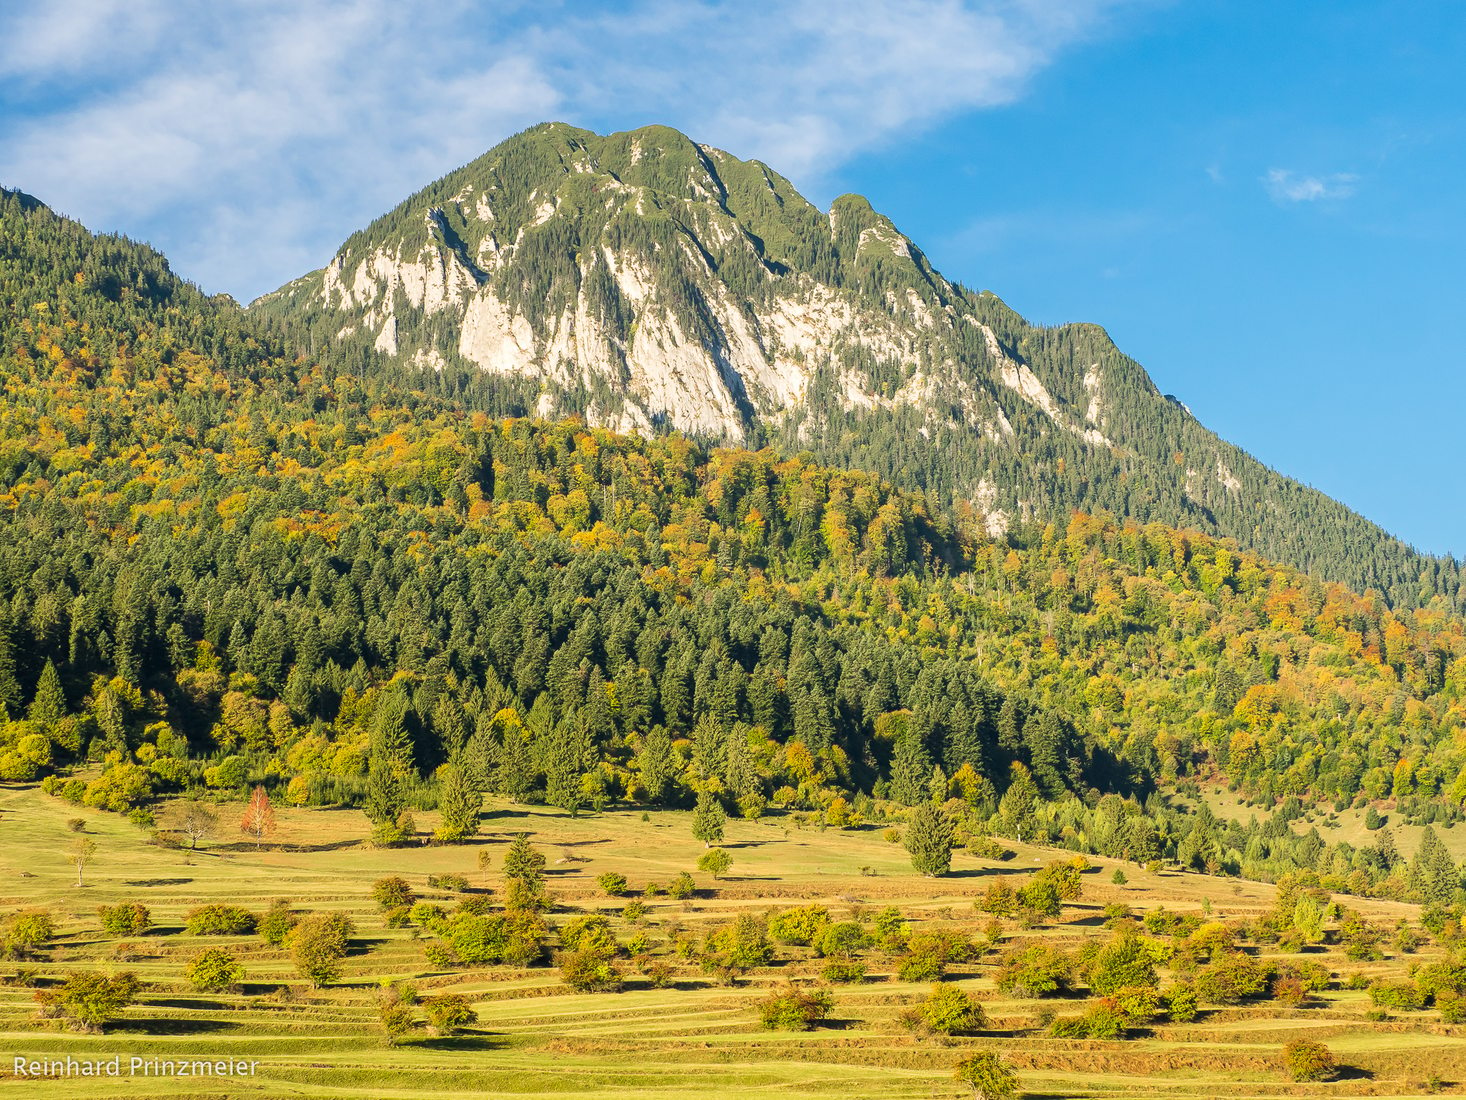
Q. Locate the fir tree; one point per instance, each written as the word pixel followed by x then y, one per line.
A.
pixel 708 820
pixel 459 802
pixel 928 837
pixel 911 768
pixel 1433 876
pixel 48 705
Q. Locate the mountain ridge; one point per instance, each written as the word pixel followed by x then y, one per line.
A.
pixel 643 280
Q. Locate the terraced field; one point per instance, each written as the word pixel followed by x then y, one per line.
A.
pixel 697 1037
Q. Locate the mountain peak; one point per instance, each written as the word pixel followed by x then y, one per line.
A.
pixel 643 280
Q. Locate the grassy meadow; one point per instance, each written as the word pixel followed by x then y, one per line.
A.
pixel 536 1037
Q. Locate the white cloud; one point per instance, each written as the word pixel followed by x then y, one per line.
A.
pixel 1287 186
pixel 248 137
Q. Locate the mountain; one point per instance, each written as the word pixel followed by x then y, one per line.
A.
pixel 222 564
pixel 643 281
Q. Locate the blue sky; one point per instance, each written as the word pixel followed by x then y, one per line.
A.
pixel 1262 202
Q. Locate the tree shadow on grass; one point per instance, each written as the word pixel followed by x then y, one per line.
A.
pixel 465 1042
pixel 156 881
pixel 170 1027
pixel 1353 1073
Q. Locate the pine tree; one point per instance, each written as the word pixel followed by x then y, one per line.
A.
pixel 1433 876
pixel 1016 807
pixel 911 768
pixel 928 837
pixel 459 802
pixel 708 820
pixel 48 706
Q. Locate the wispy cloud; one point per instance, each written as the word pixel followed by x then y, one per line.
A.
pixel 1286 186
pixel 248 137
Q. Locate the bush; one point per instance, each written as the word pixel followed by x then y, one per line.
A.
pixel 948 1010
pixel 219 920
pixel 1035 971
pixel 26 932
pixel 592 971
pixel 1102 1021
pixel 1306 1060
pixel 449 1013
pixel 1181 1003
pixel 125 919
pixel 452 883
pixel 276 923
pixel 317 945
pixel 1139 1004
pixel 802 926
pixel 1118 878
pixel 795 1009
pixel 1231 979
pixel 737 947
pixel 516 938
pixel 215 971
pixel 588 933
pixel 1401 996
pixel 613 884
pixel 633 911
pixel 1124 961
pixel 840 972
pixel 89 998
pixel 682 887
pixel 392 893
pixel 987 1076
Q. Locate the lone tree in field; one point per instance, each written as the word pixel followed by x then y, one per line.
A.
pixel 259 816
pixel 708 820
pixel 988 1078
pixel 928 838
pixel 215 971
pixel 460 803
pixel 524 868
pixel 194 820
pixel 715 861
pixel 83 851
pixel 1306 1060
pixel 317 946
pixel 89 998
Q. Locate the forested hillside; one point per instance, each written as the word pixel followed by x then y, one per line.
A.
pixel 641 280
pixel 223 565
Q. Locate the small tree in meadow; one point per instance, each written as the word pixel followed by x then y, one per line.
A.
pixel 215 971
pixel 987 1076
pixel 795 1009
pixel 89 998
pixel 928 837
pixel 1306 1060
pixel 259 816
pixel 715 861
pixel 82 852
pixel 708 820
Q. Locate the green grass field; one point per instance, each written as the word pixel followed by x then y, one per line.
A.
pixel 698 1038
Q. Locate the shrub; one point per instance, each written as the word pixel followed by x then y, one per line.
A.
pixel 633 911
pixel 125 919
pixel 219 920
pixel 1306 1060
pixel 516 937
pixel 276 923
pixel 215 971
pixel 1401 996
pixel 26 932
pixel 987 1076
pixel 682 887
pixel 392 893
pixel 1452 1007
pixel 1181 1003
pixel 1231 979
pixel 1139 1004
pixel 590 971
pixel 842 940
pixel 999 899
pixel 1102 1021
pixel 399 1019
pixel 449 1013
pixel 89 998
pixel 948 1010
pixel 795 1009
pixel 317 945
pixel 615 885
pixel 1118 878
pixel 843 973
pixel 588 933
pixel 1035 971
pixel 1124 961
pixel 735 948
pixel 803 926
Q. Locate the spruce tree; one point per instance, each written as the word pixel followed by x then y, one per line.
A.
pixel 459 802
pixel 708 820
pixel 928 837
pixel 911 768
pixel 1433 875
pixel 48 706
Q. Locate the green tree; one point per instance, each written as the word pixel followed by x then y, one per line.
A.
pixel 1433 877
pixel 215 971
pixel 708 820
pixel 928 838
pixel 318 944
pixel 459 803
pixel 48 705
pixel 987 1076
pixel 1306 1060
pixel 715 861
pixel 90 999
pixel 795 1008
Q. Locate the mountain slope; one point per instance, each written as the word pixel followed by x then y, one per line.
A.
pixel 643 280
